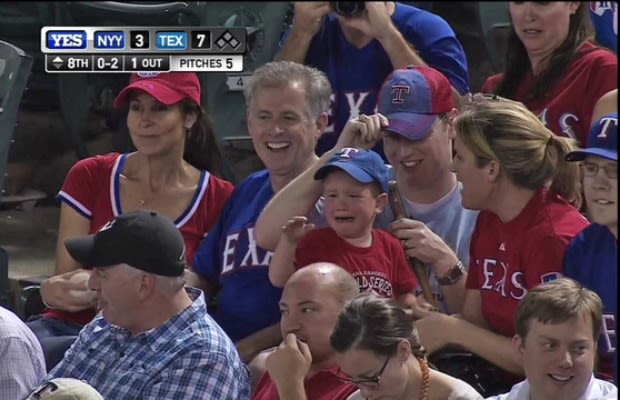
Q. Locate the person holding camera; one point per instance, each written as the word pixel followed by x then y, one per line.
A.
pixel 358 44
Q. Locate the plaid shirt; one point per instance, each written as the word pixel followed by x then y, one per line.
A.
pixel 188 357
pixel 22 366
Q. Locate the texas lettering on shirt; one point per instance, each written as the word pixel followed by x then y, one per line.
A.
pixel 355 103
pixel 241 250
pixel 498 279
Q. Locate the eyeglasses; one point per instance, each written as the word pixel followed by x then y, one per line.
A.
pixel 368 382
pixel 591 169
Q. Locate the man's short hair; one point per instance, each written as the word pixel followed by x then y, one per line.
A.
pixel 559 301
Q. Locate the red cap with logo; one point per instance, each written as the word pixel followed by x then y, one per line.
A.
pixel 411 99
pixel 168 88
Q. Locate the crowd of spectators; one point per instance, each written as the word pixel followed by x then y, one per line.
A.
pixel 399 219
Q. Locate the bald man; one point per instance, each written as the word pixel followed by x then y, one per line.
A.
pixel 303 366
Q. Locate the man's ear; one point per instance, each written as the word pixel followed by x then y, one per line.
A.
pixel 381 202
pixel 451 115
pixel 146 285
pixel 321 124
pixel 518 344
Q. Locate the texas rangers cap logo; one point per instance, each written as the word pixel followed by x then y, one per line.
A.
pixel 399 92
pixel 348 152
pixel 607 124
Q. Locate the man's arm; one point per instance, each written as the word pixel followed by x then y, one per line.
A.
pixel 68 289
pixel 306 23
pixel 19 374
pixel 426 246
pixel 403 53
pixel 250 346
pixel 471 332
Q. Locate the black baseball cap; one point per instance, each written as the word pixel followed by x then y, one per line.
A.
pixel 143 239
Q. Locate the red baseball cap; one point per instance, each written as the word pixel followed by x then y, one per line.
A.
pixel 168 88
pixel 412 97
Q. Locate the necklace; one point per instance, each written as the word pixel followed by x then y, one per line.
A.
pixel 426 378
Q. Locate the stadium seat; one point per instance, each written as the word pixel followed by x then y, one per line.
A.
pixel 495 23
pixel 15 66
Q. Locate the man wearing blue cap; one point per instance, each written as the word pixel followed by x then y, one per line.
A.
pixel 355 185
pixel 592 256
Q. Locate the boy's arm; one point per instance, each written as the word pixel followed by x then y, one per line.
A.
pixel 298 197
pixel 282 262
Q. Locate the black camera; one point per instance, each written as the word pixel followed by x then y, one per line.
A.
pixel 348 8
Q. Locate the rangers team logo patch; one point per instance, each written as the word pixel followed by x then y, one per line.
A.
pixel 399 93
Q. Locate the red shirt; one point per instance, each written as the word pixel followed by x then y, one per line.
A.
pixel 92 189
pixel 567 109
pixel 321 386
pixel 382 267
pixel 508 259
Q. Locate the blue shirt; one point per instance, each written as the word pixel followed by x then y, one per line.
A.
pixel 592 260
pixel 188 357
pixel 604 15
pixel 356 75
pixel 247 301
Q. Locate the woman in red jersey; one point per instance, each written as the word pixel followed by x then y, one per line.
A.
pixel 513 170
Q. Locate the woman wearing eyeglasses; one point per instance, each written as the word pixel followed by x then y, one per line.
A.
pixel 378 350
pixel 512 169
pixel 592 256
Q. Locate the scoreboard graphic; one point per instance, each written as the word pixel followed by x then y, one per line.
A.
pixel 143 49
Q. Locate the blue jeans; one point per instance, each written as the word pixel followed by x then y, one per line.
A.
pixel 55 337
pixel 45 327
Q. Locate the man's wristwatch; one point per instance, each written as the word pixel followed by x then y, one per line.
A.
pixel 453 275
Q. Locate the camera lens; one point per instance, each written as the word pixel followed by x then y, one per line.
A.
pixel 348 8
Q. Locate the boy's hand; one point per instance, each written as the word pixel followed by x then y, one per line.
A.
pixel 296 228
